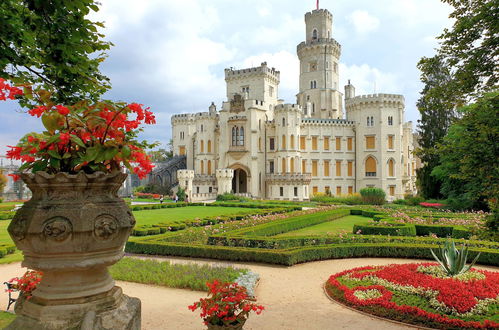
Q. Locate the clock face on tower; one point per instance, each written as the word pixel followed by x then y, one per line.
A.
pixel 313 66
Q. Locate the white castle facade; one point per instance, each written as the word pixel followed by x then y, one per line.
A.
pixel 258 146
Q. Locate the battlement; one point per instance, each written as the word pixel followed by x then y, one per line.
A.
pixel 318 12
pixel 360 100
pixel 287 107
pixel 326 121
pixel 205 115
pixel 182 118
pixel 227 173
pixel 263 69
pixel 320 42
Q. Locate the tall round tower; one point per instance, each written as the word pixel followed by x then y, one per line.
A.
pixel 319 55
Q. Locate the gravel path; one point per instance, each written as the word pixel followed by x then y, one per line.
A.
pixel 293 298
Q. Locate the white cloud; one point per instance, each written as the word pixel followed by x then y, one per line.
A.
pixel 369 80
pixel 264 12
pixel 284 34
pixel 363 22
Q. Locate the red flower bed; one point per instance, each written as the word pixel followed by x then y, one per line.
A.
pixel 460 296
pixel 435 205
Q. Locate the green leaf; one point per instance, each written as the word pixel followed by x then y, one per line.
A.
pixel 55 163
pixel 54 154
pixel 91 153
pixel 78 141
pixel 39 166
pixel 126 151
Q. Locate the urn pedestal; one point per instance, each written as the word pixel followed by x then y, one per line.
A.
pixel 72 229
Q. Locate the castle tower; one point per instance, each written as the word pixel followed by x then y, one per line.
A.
pixel 319 55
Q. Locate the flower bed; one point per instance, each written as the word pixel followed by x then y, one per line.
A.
pixel 421 294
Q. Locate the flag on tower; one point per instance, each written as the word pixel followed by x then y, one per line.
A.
pixel 317 4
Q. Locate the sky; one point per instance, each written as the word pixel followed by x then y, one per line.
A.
pixel 170 55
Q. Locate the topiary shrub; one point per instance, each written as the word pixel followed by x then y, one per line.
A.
pixel 392 229
pixel 373 196
pixel 439 230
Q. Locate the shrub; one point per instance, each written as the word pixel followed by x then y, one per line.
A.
pixel 439 230
pixel 355 212
pixel 461 232
pixel 228 197
pixel 394 229
pixel 354 199
pixel 373 196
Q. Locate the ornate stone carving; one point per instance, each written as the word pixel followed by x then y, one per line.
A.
pixel 57 229
pixel 237 104
pixel 105 227
pixel 18 228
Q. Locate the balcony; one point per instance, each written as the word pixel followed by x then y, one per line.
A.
pixel 288 178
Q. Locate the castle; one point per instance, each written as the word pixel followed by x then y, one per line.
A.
pixel 257 145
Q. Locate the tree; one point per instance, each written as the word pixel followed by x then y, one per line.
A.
pixel 3 181
pixel 469 169
pixel 437 106
pixel 50 44
pixel 471 46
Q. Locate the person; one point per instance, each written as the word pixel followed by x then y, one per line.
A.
pixel 187 198
pixel 161 199
pixel 175 197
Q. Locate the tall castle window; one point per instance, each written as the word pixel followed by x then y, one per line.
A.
pixel 370 121
pixel 314 34
pixel 391 168
pixel 237 136
pixel 390 120
pixel 209 146
pixel 271 91
pixel 370 166
pixel 313 84
pixel 283 121
pixel 271 143
pixel 201 147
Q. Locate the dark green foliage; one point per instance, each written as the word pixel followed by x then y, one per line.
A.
pixel 393 229
pixel 369 214
pixel 355 212
pixel 181 194
pixel 230 197
pixel 461 232
pixel 469 154
pixel 439 230
pixel 6 215
pixel 346 200
pixel 6 249
pixel 373 196
pixel 53 45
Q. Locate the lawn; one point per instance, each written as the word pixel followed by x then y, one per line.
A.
pixel 151 217
pixel 335 226
pixel 6 318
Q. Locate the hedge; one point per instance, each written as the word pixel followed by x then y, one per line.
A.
pixel 290 224
pixel 7 215
pixel 290 257
pixel 300 241
pixel 394 229
pixel 355 212
pixel 6 249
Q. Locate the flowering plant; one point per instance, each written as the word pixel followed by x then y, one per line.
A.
pixel 27 283
pixel 435 205
pixel 85 136
pixel 227 304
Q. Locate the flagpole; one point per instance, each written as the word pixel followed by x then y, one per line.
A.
pixel 317 4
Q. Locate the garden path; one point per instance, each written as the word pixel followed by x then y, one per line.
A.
pixel 293 298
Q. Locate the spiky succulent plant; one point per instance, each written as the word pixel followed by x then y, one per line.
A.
pixel 452 260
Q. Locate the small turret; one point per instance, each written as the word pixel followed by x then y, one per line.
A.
pixel 349 91
pixel 212 108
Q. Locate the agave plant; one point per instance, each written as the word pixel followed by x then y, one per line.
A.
pixel 452 260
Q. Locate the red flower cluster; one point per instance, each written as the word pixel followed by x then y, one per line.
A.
pixel 227 304
pixel 435 205
pixel 148 195
pixel 83 136
pixel 8 92
pixel 454 293
pixel 27 283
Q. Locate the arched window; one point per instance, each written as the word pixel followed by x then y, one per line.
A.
pixel 283 165
pixel 292 141
pixel 368 121
pixel 202 128
pixel 391 168
pixel 370 166
pixel 314 34
pixel 209 146
pixel 390 120
pixel 292 165
pixel 372 121
pixel 202 167
pixel 283 144
pixel 201 147
pixel 283 121
pixel 311 84
pixel 313 107
pixel 234 136
pixel 209 167
pixel 240 141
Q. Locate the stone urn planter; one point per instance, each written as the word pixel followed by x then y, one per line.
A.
pixel 238 326
pixel 72 229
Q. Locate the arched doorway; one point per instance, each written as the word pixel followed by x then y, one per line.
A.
pixel 240 181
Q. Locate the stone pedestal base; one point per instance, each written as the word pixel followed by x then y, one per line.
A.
pixel 111 310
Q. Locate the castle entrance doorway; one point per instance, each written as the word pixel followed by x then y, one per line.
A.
pixel 240 181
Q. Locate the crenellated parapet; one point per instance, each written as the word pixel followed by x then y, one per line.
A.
pixel 262 70
pixel 287 107
pixel 319 12
pixel 327 122
pixel 386 100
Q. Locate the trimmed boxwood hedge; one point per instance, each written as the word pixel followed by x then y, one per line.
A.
pixel 298 255
pixel 6 249
pixel 439 230
pixel 393 229
pixel 355 212
pixel 7 215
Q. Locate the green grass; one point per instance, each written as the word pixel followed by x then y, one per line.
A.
pixel 5 319
pixel 151 217
pixel 335 226
pixel 163 273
